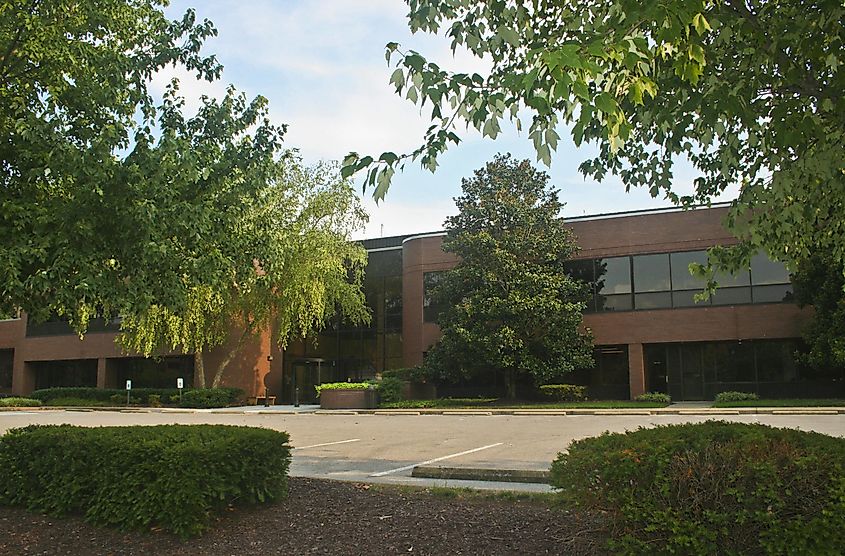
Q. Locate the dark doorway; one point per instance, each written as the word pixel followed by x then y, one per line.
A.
pixel 300 378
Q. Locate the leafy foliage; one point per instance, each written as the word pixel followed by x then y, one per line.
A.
pixel 118 203
pixel 711 488
pixel 657 397
pixel 14 401
pixel 820 282
pixel 736 396
pixel 511 308
pixel 342 386
pixel 750 93
pixel 170 476
pixel 564 392
pixel 211 397
pixel 389 389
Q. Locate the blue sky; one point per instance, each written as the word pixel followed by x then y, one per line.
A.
pixel 321 65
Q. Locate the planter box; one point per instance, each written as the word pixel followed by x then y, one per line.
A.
pixel 349 399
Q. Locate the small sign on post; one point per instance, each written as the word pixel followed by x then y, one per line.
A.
pixel 128 390
pixel 180 383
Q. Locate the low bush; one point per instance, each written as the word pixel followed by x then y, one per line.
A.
pixel 343 386
pixel 205 398
pixel 414 374
pixel 102 394
pixel 154 400
pixel 654 397
pixel 390 389
pixel 19 402
pixel 736 396
pixel 169 476
pixel 564 392
pixel 711 488
pixel 79 402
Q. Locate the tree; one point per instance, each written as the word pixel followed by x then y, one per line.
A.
pixel 820 284
pixel 749 91
pixel 118 203
pixel 511 308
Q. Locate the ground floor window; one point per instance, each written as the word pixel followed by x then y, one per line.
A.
pixel 608 379
pixel 7 359
pixel 66 373
pixel 153 372
pixel 700 370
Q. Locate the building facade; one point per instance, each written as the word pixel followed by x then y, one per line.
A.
pixel 649 333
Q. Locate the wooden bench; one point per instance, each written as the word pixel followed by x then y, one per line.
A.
pixel 255 400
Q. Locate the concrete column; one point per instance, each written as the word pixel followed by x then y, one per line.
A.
pixel 102 373
pixel 636 370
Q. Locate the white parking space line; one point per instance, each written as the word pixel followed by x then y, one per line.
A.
pixel 450 456
pixel 327 444
pixel 9 413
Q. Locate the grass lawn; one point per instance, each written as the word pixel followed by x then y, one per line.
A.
pixel 498 403
pixel 784 403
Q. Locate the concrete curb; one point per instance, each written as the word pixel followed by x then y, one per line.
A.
pixel 716 411
pixel 482 474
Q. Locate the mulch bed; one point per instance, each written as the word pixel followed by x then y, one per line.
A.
pixel 330 517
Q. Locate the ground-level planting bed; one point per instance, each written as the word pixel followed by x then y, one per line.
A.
pixel 328 517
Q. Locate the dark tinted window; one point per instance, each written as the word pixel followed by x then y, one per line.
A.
pixel 658 300
pixel 681 278
pixel 430 308
pixel 613 275
pixel 651 273
pixel 731 296
pixel 766 271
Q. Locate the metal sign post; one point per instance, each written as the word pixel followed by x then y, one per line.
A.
pixel 128 391
pixel 180 383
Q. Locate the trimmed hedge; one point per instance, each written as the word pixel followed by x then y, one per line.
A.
pixel 221 397
pixel 564 392
pixel 102 394
pixel 736 396
pixel 654 397
pixel 390 389
pixel 204 398
pixel 170 476
pixel 343 386
pixel 19 402
pixel 711 488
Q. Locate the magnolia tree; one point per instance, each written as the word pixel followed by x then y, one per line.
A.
pixel 750 92
pixel 115 202
pixel 511 309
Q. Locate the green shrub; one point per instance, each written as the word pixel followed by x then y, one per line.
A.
pixel 19 402
pixel 154 400
pixel 342 386
pixel 210 397
pixel 390 389
pixel 736 396
pixel 102 394
pixel 564 392
pixel 79 402
pixel 654 397
pixel 171 476
pixel 711 488
pixel 414 374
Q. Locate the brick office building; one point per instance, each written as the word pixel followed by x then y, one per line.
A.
pixel 649 334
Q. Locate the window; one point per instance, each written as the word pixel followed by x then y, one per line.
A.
pixel 431 309
pixel 769 280
pixel 613 284
pixel 652 282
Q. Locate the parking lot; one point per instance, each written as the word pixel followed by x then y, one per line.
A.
pixel 385 448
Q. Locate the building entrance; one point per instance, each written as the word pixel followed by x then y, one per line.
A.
pixel 300 378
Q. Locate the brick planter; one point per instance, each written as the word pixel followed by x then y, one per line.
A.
pixel 348 399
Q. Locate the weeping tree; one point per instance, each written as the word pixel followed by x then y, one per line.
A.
pixel 115 201
pixel 511 309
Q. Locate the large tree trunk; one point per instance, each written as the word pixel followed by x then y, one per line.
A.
pixel 199 369
pixel 218 374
